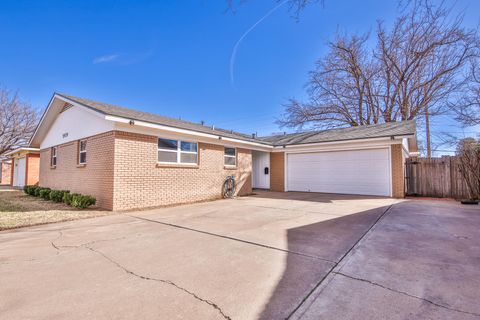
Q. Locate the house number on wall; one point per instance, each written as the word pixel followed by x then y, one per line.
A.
pixel 65 135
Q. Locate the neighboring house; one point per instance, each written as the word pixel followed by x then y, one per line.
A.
pixel 5 172
pixel 25 166
pixel 130 159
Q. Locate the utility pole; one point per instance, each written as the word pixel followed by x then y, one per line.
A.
pixel 427 130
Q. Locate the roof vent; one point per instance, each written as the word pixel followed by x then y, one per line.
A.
pixel 66 106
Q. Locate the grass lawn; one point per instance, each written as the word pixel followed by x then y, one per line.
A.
pixel 20 210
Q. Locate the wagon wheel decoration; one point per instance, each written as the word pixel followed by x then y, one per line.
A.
pixel 229 187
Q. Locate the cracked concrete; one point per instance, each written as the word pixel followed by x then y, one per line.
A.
pixel 420 261
pixel 408 294
pixel 210 303
pixel 88 245
pixel 272 256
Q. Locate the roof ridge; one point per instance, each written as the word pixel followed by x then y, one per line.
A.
pixel 136 114
pixel 75 98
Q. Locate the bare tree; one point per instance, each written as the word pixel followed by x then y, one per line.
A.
pixel 341 89
pixel 17 121
pixel 415 68
pixel 468 151
pixel 467 107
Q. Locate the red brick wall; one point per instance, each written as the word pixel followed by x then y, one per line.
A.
pixel 141 182
pixel 398 179
pixel 277 169
pixel 33 169
pixel 6 173
pixel 95 178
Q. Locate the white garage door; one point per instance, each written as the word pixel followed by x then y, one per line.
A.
pixel 365 172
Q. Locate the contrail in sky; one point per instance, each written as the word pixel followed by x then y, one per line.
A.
pixel 235 48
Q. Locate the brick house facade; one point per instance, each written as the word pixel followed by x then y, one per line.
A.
pixel 95 178
pixel 122 172
pixel 126 166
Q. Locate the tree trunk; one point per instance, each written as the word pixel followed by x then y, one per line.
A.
pixel 427 132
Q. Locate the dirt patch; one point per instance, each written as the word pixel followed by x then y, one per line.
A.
pixel 20 210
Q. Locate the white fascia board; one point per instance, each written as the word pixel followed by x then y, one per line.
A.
pixel 186 132
pixel 247 142
pixel 20 150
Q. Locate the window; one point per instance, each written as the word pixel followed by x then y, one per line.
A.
pixel 53 156
pixel 175 151
pixel 230 156
pixel 82 152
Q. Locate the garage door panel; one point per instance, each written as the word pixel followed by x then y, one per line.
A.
pixel 352 172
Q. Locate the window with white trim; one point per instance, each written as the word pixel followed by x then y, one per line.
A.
pixel 177 151
pixel 82 152
pixel 230 156
pixel 53 156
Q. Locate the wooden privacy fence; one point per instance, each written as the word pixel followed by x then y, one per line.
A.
pixel 435 177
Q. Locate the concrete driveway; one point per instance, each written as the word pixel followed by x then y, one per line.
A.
pixel 269 256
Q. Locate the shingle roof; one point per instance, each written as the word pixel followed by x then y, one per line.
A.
pixel 109 109
pixel 352 133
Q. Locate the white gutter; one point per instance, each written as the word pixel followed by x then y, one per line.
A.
pixel 183 131
pixel 341 141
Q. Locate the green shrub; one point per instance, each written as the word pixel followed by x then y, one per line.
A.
pixel 67 197
pixel 57 195
pixel 45 193
pixel 32 190
pixel 81 201
pixel 29 189
pixel 36 191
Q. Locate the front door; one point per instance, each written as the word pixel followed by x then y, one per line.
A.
pixel 19 172
pixel 261 170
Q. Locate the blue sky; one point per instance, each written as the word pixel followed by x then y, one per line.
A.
pixel 173 57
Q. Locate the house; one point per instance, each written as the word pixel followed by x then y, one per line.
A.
pixel 131 159
pixel 25 166
pixel 5 172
